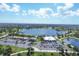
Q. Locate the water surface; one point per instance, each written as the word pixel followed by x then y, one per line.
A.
pixel 41 32
pixel 72 41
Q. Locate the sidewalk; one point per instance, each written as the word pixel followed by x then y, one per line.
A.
pixel 4 36
pixel 18 52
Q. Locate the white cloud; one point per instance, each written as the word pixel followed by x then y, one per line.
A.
pixel 66 6
pixel 24 13
pixel 64 10
pixel 69 13
pixel 15 8
pixel 59 8
pixel 4 7
pixel 56 14
pixel 42 12
pixel 77 12
pixel 31 12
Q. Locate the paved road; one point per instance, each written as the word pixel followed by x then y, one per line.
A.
pixel 13 43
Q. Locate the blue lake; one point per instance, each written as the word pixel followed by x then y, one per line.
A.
pixel 72 41
pixel 40 32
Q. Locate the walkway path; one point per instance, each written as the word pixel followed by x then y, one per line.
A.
pixel 4 36
pixel 18 52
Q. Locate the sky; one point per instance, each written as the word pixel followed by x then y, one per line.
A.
pixel 42 13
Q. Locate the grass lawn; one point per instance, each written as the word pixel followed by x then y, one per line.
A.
pixel 17 49
pixel 41 54
pixel 46 54
pixel 14 49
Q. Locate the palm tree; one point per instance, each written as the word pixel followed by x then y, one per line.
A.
pixel 30 51
pixel 77 53
pixel 16 42
pixel 66 53
pixel 62 52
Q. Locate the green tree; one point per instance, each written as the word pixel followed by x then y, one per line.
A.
pixel 1 50
pixel 52 54
pixel 40 39
pixel 30 51
pixel 19 54
pixel 16 42
pixel 62 52
pixel 66 53
pixel 7 51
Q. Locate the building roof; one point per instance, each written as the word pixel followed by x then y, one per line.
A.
pixel 49 38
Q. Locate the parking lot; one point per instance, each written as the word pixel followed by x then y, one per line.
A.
pixel 48 45
pixel 15 42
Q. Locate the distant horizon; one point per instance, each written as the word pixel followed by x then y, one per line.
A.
pixel 39 23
